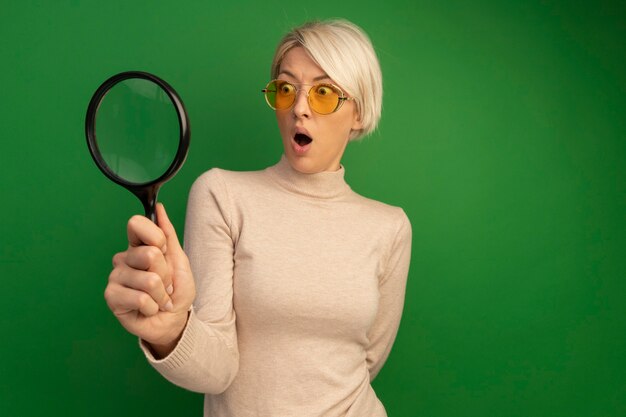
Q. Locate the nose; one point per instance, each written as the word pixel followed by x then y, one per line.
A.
pixel 301 108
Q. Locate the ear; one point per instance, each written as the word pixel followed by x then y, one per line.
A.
pixel 357 124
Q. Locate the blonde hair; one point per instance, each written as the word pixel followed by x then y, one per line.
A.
pixel 346 54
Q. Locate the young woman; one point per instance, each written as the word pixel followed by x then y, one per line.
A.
pixel 289 294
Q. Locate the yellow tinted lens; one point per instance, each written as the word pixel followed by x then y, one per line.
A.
pixel 285 95
pixel 324 98
pixel 270 94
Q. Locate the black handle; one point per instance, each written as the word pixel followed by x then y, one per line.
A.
pixel 148 197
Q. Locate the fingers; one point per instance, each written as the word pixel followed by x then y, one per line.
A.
pixel 151 259
pixel 119 258
pixel 122 300
pixel 141 280
pixel 176 258
pixel 141 231
pixel 149 281
pixel 147 246
pixel 168 229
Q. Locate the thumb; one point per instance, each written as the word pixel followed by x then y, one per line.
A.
pixel 166 226
pixel 183 288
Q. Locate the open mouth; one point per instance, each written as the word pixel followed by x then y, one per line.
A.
pixel 302 139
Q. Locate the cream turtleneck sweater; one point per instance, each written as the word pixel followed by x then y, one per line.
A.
pixel 300 289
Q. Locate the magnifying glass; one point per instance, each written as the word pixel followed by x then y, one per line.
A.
pixel 138 133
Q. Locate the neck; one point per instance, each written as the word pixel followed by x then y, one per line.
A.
pixel 324 185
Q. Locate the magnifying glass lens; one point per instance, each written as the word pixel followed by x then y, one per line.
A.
pixel 137 130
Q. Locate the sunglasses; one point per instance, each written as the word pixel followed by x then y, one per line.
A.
pixel 323 98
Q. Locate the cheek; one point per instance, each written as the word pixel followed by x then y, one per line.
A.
pixel 340 127
pixel 282 123
pixel 336 137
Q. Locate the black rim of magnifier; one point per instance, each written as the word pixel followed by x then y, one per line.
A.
pixel 147 191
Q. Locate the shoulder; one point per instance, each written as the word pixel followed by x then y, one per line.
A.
pixel 218 192
pixel 382 212
pixel 391 227
pixel 218 180
pixel 390 224
pixel 227 176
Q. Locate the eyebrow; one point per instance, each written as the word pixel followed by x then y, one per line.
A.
pixel 319 78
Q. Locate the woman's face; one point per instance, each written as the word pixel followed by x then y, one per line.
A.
pixel 329 133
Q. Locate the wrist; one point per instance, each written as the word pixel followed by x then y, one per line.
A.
pixel 165 345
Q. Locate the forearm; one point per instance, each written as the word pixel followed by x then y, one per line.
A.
pixel 204 359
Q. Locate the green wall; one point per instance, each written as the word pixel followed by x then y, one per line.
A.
pixel 503 136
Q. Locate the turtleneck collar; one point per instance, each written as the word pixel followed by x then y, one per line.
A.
pixel 325 185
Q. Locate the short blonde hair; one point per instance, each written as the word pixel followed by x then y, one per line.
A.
pixel 346 54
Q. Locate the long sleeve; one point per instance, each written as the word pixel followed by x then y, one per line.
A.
pixel 300 288
pixel 206 358
pixel 392 288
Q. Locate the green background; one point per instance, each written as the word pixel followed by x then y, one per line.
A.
pixel 503 136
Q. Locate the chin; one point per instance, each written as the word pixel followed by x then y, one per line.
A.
pixel 301 164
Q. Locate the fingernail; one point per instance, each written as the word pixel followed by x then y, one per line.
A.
pixel 170 289
pixel 169 306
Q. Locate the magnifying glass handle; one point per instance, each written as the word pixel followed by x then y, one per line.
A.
pixel 148 197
